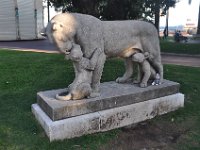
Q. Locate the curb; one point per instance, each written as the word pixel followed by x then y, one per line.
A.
pixel 30 50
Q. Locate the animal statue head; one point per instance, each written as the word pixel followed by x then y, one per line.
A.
pixel 61 31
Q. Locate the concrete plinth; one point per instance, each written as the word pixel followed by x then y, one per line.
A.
pixel 112 95
pixel 104 120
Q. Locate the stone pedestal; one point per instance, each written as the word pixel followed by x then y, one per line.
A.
pixel 119 105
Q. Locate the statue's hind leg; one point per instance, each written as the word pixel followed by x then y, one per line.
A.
pixel 128 72
pixel 157 65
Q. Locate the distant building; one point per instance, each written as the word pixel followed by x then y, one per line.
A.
pixel 21 19
pixel 190 26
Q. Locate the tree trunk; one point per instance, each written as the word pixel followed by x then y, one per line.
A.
pixel 157 14
pixel 198 27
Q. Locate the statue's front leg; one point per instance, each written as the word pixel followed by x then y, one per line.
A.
pixel 128 72
pixel 97 73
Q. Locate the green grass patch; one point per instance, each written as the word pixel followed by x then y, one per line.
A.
pixel 180 48
pixel 23 74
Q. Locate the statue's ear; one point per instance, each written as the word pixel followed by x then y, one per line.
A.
pixel 146 55
pixel 57 26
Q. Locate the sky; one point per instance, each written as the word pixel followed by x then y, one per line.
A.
pixel 177 15
pixel 181 12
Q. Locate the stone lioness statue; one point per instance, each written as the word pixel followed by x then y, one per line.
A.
pixel 111 38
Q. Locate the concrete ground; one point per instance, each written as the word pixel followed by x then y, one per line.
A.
pixel 45 46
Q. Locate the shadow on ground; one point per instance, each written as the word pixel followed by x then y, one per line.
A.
pixel 150 136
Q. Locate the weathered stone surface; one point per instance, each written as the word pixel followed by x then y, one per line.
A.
pixel 130 114
pixel 106 119
pixel 112 95
pixel 107 37
pixel 66 128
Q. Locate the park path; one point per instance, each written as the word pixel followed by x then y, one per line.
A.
pixel 31 45
pixel 181 59
pixel 45 46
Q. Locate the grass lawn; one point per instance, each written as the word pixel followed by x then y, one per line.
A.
pixel 180 48
pixel 23 74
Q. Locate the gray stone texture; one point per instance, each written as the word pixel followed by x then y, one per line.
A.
pixel 106 119
pixel 111 38
pixel 112 95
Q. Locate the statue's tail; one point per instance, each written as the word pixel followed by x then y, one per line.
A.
pixel 64 97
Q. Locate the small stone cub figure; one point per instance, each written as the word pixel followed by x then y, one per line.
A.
pixel 81 86
pixel 145 71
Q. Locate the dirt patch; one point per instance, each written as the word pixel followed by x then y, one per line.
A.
pixel 161 135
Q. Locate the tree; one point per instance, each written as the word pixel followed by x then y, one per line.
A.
pixel 156 5
pixel 198 26
pixel 117 9
pixel 104 9
pixel 157 14
pixel 121 9
pixel 80 6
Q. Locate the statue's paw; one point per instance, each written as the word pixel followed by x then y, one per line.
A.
pixel 64 98
pixel 136 81
pixel 94 94
pixel 143 85
pixel 121 80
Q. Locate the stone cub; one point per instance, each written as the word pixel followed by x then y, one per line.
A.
pixel 145 71
pixel 84 67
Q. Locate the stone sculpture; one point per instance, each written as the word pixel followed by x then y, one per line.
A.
pixel 111 38
pixel 81 86
pixel 145 69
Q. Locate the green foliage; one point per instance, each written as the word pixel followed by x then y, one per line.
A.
pixel 114 9
pixel 120 10
pixel 168 3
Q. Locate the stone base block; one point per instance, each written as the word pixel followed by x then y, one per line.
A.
pixel 112 95
pixel 106 119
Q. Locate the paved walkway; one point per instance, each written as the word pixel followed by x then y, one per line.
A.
pixel 34 45
pixel 45 46
pixel 183 60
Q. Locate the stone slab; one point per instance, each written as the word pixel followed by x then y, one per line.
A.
pixel 112 95
pixel 106 119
